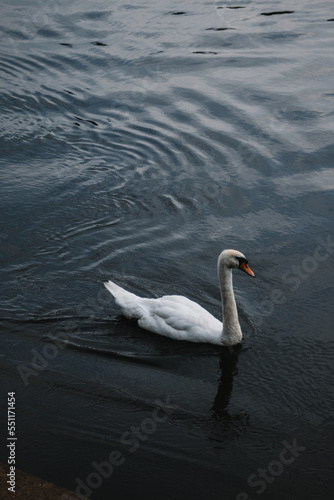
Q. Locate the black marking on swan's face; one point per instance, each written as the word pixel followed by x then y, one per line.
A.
pixel 242 260
pixel 243 265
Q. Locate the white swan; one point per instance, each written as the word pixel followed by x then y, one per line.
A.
pixel 177 317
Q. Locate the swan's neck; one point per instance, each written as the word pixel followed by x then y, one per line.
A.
pixel 231 334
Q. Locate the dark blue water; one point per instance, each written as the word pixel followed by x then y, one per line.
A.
pixel 138 140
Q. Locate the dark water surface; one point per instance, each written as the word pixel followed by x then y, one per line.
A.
pixel 138 140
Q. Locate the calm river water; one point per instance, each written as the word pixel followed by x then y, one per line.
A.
pixel 138 140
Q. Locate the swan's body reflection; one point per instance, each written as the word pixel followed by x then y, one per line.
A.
pixel 227 422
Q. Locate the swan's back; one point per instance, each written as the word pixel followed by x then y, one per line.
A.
pixel 173 316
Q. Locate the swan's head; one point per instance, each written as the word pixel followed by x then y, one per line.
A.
pixel 234 259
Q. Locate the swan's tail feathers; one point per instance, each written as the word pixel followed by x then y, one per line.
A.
pixel 127 301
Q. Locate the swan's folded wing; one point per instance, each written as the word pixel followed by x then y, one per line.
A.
pixel 179 318
pixel 182 315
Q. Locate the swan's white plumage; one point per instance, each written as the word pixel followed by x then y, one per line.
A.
pixel 180 318
pixel 173 316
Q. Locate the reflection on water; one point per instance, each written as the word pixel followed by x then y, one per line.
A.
pixel 137 142
pixel 228 425
pixel 228 366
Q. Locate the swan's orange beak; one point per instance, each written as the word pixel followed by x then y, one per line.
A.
pixel 247 269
